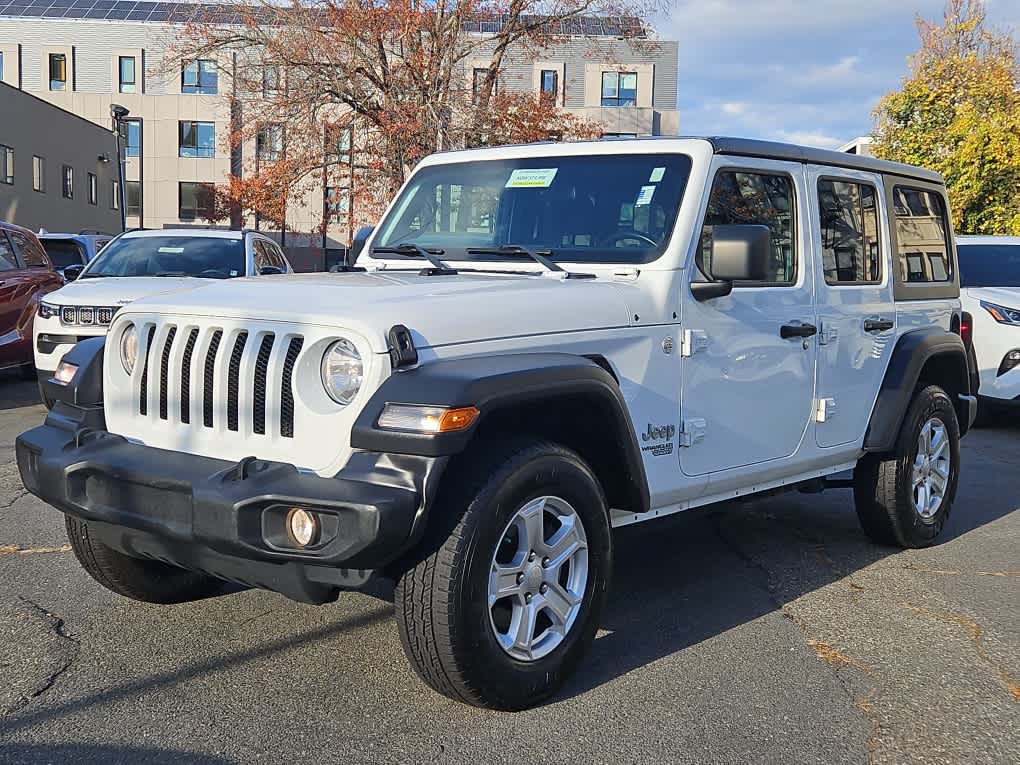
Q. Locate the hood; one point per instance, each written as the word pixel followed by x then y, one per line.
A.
pixel 1008 297
pixel 120 290
pixel 439 310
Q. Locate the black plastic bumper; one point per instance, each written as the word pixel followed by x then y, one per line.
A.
pixel 228 519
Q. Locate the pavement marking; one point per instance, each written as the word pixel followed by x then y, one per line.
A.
pixel 16 550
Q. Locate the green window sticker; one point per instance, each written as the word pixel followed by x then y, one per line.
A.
pixel 541 178
pixel 657 175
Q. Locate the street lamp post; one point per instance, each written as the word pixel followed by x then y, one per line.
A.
pixel 118 113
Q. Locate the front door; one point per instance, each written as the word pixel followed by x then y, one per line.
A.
pixel 748 384
pixel 856 314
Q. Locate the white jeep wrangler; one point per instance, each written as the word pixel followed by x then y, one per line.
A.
pixel 538 343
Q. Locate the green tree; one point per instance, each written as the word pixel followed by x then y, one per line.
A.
pixel 958 112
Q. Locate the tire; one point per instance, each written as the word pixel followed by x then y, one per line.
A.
pixel 447 627
pixel 147 580
pixel 47 401
pixel 884 489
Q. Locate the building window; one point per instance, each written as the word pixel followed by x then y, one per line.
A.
pixel 269 143
pixel 115 199
pixel 67 180
pixel 478 81
pixel 93 189
pixel 38 174
pixel 133 198
pixel 193 199
pixel 619 88
pixel 550 85
pixel 338 204
pixel 6 164
pixel 132 138
pixel 1 66
pixel 338 143
pixel 199 77
pixel 126 68
pixel 58 71
pixel 270 82
pixel 196 139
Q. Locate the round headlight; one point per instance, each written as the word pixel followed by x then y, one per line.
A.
pixel 129 348
pixel 342 371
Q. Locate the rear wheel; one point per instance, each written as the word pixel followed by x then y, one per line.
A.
pixel 504 606
pixel 904 498
pixel 147 580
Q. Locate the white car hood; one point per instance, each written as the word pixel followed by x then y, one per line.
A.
pixel 439 310
pixel 1008 297
pixel 120 290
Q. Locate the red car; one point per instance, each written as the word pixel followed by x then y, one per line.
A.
pixel 26 274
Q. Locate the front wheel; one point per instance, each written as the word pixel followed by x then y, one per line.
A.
pixel 904 498
pixel 508 595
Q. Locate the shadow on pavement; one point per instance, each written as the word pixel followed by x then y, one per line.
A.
pixel 16 392
pixel 18 754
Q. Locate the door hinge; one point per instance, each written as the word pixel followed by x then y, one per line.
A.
pixel 692 431
pixel 825 409
pixel 828 334
pixel 692 341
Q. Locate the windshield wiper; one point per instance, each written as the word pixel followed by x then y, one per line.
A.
pixel 171 273
pixel 540 257
pixel 409 248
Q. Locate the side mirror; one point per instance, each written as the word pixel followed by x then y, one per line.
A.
pixel 740 253
pixel 73 272
pixel 358 244
pixel 270 271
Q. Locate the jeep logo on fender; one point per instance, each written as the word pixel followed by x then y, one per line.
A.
pixel 654 433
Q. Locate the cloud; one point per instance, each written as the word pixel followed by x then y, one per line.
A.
pixel 796 70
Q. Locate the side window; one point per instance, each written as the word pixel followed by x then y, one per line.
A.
pixel 275 255
pixel 742 197
pixel 922 248
pixel 259 254
pixel 848 212
pixel 31 253
pixel 8 261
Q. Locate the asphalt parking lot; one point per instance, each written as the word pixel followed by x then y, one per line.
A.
pixel 765 631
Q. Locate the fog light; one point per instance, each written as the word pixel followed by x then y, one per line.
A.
pixel 302 526
pixel 1009 362
pixel 65 372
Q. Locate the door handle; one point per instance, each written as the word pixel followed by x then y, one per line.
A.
pixel 797 330
pixel 878 325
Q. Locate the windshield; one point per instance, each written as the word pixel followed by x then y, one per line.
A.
pixel 205 256
pixel 591 209
pixel 989 265
pixel 63 252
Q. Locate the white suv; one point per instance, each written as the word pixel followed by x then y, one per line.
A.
pixel 990 291
pixel 540 343
pixel 136 264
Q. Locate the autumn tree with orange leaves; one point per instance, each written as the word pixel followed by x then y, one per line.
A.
pixel 363 89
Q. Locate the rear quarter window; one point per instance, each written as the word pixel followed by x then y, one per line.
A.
pixel 923 252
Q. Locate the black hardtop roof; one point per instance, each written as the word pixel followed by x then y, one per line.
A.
pixel 750 147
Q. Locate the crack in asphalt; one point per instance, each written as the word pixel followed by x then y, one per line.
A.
pixel 56 625
pixel 976 634
pixel 18 550
pixel 951 572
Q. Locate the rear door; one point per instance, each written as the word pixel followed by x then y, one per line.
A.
pixel 856 313
pixel 11 300
pixel 25 274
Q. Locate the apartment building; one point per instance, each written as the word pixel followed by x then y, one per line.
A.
pixel 57 170
pixel 83 55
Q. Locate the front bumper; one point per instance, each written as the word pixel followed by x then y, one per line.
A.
pixel 227 519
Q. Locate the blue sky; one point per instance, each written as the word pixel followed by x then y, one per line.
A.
pixel 806 71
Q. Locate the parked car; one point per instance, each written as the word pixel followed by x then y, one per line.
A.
pixel 26 274
pixel 990 290
pixel 139 263
pixel 537 344
pixel 73 249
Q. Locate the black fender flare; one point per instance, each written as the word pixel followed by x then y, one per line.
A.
pixel 913 350
pixel 496 383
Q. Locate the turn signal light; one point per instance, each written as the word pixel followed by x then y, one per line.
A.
pixel 413 418
pixel 65 372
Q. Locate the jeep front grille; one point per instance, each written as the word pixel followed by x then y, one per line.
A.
pixel 227 375
pixel 87 315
